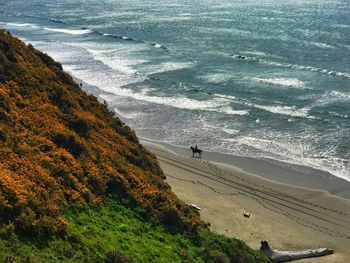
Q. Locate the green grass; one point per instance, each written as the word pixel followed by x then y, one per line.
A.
pixel 93 233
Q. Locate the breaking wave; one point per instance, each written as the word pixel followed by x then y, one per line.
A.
pixel 321 45
pixel 284 82
pixel 291 111
pixel 331 97
pixel 294 66
pixel 83 31
pixel 56 21
pixel 69 31
pixel 156 45
pixel 230 111
pixel 169 66
pixel 300 152
pixel 21 25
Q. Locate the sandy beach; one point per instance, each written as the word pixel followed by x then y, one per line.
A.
pixel 290 216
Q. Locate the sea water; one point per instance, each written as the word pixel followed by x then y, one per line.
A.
pixel 259 78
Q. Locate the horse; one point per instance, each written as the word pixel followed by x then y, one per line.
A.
pixel 196 150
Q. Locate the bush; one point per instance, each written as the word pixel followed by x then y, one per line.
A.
pixel 7 231
pixel 118 189
pixel 69 143
pixel 4 116
pixel 4 104
pixel 26 219
pixel 116 257
pixel 2 135
pixel 170 218
pixel 219 257
pixel 80 126
pixel 62 99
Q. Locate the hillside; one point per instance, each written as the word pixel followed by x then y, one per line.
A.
pixel 60 146
pixel 61 152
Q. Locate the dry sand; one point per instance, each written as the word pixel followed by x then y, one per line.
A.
pixel 288 217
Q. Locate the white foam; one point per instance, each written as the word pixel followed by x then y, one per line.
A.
pixel 225 97
pixel 341 96
pixel 343 26
pixel 283 82
pixel 321 45
pixel 118 72
pixel 22 25
pixel 107 14
pixel 254 53
pixel 216 77
pixel 334 165
pixel 169 66
pixel 331 97
pixel 127 115
pixel 230 111
pixel 231 131
pixel 217 30
pixel 276 146
pixel 339 115
pixel 105 79
pixel 177 102
pixel 294 66
pixel 113 86
pixel 286 110
pixel 69 31
pixel 118 59
pixel 167 18
pixel 121 64
pixel 156 45
pixel 287 148
pixel 182 102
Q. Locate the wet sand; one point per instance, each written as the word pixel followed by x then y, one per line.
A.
pixel 286 215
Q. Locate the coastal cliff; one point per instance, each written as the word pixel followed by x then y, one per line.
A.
pixel 64 154
pixel 61 146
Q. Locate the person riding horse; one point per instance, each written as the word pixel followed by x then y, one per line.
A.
pixel 196 150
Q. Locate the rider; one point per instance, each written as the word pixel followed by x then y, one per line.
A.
pixel 196 147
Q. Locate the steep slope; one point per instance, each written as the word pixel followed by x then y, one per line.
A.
pixel 76 185
pixel 61 146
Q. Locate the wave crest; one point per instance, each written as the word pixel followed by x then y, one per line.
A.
pixel 69 31
pixel 284 148
pixel 21 25
pixel 156 45
pixel 286 110
pixel 284 82
pixel 294 66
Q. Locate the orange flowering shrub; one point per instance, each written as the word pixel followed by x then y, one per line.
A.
pixel 60 146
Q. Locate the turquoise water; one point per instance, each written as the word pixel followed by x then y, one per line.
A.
pixel 265 79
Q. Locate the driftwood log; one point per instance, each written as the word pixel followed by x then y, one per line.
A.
pixel 286 256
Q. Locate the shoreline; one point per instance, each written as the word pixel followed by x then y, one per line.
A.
pixel 269 169
pixel 289 217
pixel 292 210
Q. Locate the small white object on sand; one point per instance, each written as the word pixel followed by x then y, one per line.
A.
pixel 246 214
pixel 195 207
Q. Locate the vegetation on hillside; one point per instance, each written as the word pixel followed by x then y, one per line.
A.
pixel 113 233
pixel 68 170
pixel 61 146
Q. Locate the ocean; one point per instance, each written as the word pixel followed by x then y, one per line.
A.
pixel 264 79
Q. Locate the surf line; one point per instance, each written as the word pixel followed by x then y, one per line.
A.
pixel 294 66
